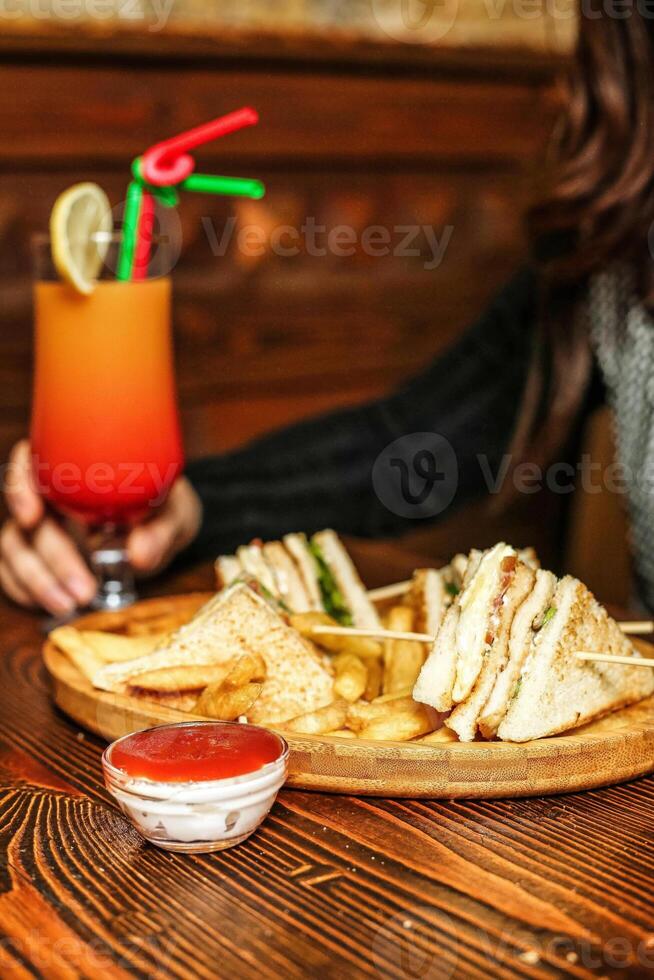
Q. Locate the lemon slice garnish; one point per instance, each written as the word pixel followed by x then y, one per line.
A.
pixel 81 224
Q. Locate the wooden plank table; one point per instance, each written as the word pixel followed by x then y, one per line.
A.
pixel 330 886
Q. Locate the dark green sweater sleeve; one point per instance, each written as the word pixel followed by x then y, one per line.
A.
pixel 318 473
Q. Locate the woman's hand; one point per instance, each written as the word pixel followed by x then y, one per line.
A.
pixel 40 564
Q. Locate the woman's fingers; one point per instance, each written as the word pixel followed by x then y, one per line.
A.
pixel 150 544
pixel 60 555
pixel 153 544
pixel 12 587
pixel 40 564
pixel 27 573
pixel 32 575
pixel 20 491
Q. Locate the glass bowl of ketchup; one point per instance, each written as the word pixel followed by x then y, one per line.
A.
pixel 198 786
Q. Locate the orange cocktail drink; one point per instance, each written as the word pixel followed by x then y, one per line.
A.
pixel 106 442
pixel 105 431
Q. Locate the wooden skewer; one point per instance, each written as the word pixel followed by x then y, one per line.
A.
pixel 389 591
pixel 638 627
pixel 608 658
pixel 377 634
pixel 633 627
pixel 383 634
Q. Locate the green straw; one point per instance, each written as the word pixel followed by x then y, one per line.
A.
pixel 168 197
pixel 233 186
pixel 130 225
pixel 202 184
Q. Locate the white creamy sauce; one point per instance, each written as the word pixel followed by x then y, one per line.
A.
pixel 215 810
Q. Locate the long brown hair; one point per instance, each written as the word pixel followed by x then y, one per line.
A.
pixel 597 206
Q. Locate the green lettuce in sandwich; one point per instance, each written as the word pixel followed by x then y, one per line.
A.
pixel 332 597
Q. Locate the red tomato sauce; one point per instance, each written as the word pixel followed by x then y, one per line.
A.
pixel 178 753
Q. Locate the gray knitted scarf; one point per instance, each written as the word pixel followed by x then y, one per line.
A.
pixel 622 335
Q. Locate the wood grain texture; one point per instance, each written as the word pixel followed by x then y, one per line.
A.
pixel 612 750
pixel 227 44
pixel 330 886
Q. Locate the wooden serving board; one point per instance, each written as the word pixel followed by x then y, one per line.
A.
pixel 614 749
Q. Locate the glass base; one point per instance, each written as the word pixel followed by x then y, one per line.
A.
pixel 198 846
pixel 110 565
pixel 120 599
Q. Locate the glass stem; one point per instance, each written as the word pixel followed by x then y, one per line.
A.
pixel 110 565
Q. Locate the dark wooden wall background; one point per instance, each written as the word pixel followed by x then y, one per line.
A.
pixel 349 135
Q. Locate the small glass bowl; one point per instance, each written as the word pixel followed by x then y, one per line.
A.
pixel 198 816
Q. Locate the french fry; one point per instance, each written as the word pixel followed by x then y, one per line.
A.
pixel 245 670
pixel 235 692
pixel 402 658
pixel 331 718
pixel 441 735
pixel 110 647
pixel 350 677
pixel 304 623
pixel 164 623
pixel 359 714
pixel 362 713
pixel 185 677
pixel 399 724
pixel 226 703
pixel 360 646
pixel 405 692
pixel 70 641
pixel 374 681
pixel 231 674
pixel 342 733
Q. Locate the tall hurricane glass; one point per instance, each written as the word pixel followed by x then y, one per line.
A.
pixel 105 430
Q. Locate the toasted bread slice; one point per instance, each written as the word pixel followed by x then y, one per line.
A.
pixel 529 557
pixel 556 691
pixel 291 587
pixel 429 599
pixel 477 613
pixel 457 569
pixel 298 548
pixel 342 568
pixel 527 618
pixel 514 587
pixel 437 675
pixel 227 568
pixel 436 679
pixel 233 623
pixel 254 563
